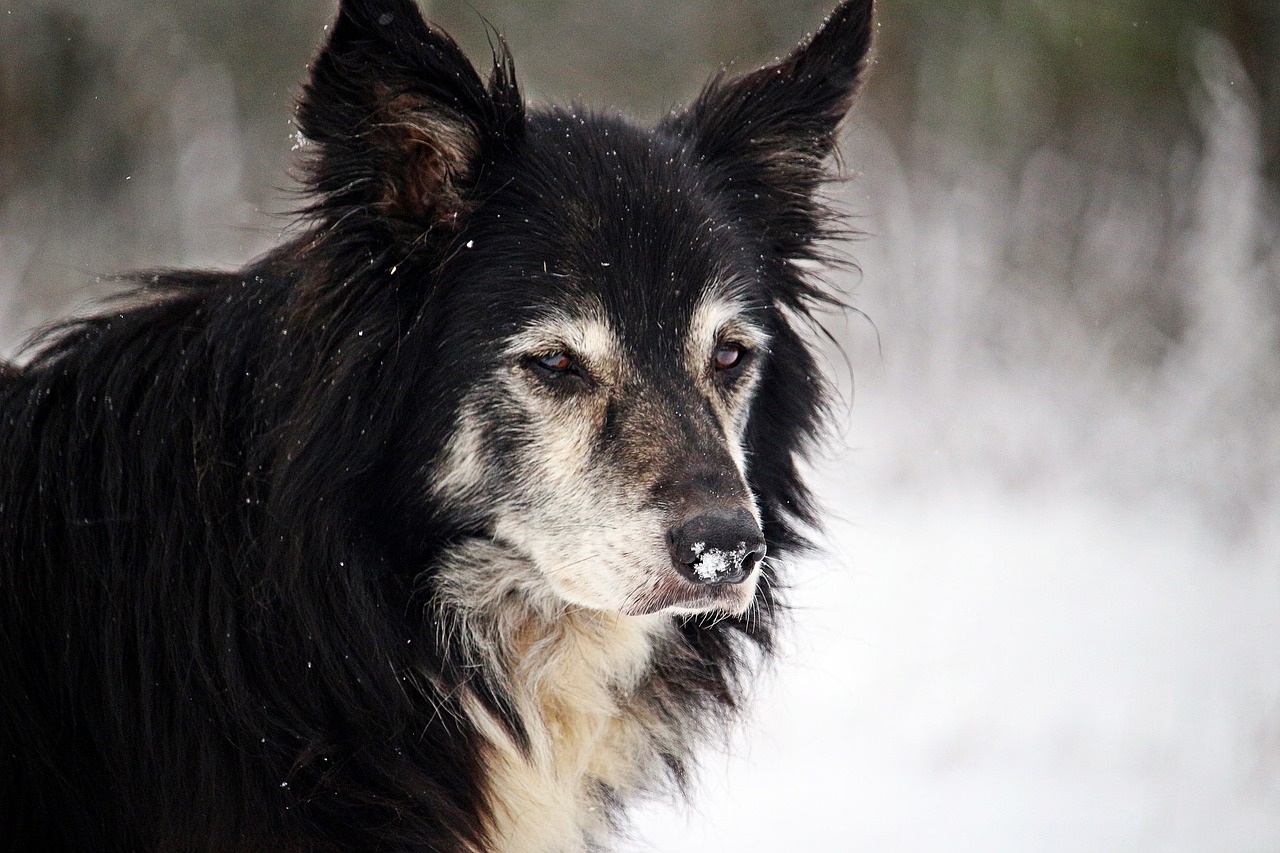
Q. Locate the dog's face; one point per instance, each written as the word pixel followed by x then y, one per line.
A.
pixel 621 328
pixel 620 473
pixel 616 298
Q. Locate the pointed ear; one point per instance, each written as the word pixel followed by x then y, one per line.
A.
pixel 399 119
pixel 772 130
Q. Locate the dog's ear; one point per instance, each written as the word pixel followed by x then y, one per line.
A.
pixel 399 119
pixel 771 131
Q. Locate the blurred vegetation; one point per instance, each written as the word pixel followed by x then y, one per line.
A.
pixel 84 84
pixel 1009 72
pixel 114 114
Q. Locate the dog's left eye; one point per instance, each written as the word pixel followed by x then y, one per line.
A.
pixel 728 356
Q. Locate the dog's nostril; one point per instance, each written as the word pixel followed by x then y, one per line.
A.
pixel 717 547
pixel 751 559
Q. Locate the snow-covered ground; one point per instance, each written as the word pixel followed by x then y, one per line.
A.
pixel 979 669
pixel 1048 616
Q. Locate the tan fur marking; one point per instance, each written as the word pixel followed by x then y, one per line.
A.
pixel 719 317
pixel 462 472
pixel 572 673
pixel 587 336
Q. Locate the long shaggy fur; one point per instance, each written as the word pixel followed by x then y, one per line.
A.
pixel 265 543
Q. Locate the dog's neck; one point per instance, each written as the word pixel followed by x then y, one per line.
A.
pixel 580 681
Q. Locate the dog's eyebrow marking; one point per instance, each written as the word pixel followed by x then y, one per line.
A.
pixel 721 313
pixel 588 335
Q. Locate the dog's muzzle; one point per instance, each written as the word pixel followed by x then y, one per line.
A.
pixel 717 546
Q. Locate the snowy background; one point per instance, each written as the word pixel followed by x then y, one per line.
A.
pixel 1047 615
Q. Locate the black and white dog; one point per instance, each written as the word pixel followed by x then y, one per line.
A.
pixel 448 525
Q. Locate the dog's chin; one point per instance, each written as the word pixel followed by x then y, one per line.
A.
pixel 676 595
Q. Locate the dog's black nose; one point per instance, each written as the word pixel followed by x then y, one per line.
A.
pixel 720 546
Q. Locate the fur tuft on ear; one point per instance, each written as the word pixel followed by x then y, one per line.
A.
pixel 772 130
pixel 400 119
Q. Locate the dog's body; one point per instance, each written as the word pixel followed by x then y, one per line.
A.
pixel 443 526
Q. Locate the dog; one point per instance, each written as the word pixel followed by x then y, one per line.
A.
pixel 452 523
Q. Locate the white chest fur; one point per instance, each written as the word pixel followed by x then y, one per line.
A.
pixel 590 734
pixel 578 679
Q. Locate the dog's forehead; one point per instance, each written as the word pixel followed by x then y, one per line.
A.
pixel 598 218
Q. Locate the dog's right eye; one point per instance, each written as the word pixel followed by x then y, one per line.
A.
pixel 559 367
pixel 556 362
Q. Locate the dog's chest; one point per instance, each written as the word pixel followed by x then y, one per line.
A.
pixel 581 690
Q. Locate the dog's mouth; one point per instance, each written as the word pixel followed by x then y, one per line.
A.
pixel 674 591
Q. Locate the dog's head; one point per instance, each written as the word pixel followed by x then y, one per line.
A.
pixel 606 314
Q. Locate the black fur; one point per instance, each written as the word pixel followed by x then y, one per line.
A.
pixel 216 554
